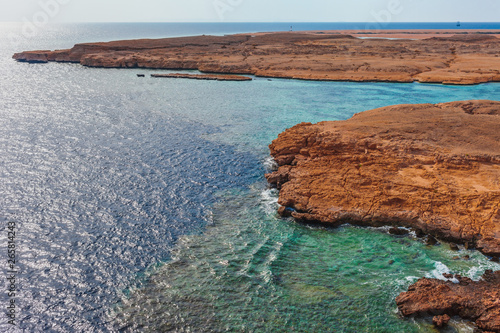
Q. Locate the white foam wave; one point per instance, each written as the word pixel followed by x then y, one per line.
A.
pixel 270 164
pixel 411 279
pixel 477 271
pixel 269 200
pixel 384 228
pixel 438 271
pixel 404 282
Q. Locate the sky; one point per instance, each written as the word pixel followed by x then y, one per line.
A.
pixel 250 10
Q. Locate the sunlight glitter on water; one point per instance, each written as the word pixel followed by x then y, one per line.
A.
pixel 150 194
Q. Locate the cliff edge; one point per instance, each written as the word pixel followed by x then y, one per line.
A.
pixel 433 167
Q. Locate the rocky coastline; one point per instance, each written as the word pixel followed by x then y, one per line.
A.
pixel 434 168
pixel 450 58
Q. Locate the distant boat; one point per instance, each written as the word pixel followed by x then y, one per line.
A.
pixel 458 23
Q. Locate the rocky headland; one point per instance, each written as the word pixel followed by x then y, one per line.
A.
pixel 450 58
pixel 434 168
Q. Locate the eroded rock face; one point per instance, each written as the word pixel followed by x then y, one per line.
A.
pixel 461 59
pixel 432 167
pixel 478 301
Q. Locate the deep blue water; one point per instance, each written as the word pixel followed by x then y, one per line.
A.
pixel 141 203
pixel 66 35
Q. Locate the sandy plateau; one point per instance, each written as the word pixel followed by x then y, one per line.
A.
pixel 450 57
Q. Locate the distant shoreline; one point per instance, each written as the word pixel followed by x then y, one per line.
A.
pixel 460 57
pixel 400 33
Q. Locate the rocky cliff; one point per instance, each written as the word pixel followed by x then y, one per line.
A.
pixel 435 168
pixel 431 167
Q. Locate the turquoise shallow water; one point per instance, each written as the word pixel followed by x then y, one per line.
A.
pixel 141 203
pixel 254 272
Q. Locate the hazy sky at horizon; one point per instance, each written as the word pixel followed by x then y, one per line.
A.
pixel 250 10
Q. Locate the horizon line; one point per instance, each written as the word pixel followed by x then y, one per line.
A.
pixel 253 22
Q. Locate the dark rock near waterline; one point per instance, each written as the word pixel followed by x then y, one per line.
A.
pixel 285 211
pixel 441 321
pixel 429 240
pixel 398 231
pixel 418 233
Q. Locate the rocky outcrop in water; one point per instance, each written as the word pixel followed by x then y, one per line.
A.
pixel 460 59
pixel 435 168
pixel 478 301
pixel 209 77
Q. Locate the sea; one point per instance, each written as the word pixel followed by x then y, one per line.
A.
pixel 140 204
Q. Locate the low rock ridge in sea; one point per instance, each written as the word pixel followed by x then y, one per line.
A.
pixel 478 301
pixel 431 167
pixel 209 77
pixel 467 58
